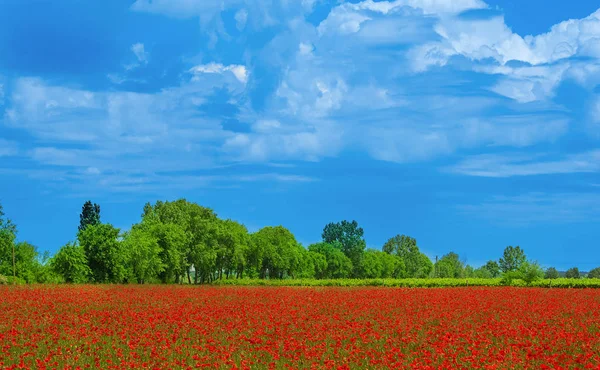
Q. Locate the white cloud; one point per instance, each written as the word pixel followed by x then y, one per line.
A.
pixel 489 165
pixel 140 53
pixel 266 144
pixel 492 38
pixel 547 56
pixel 239 71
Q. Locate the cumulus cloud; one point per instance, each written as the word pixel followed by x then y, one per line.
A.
pixel 238 71
pixel 362 79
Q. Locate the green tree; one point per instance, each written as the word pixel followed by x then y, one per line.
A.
pixel 449 266
pixel 188 236
pixel 372 264
pixel 424 266
pixel 416 263
pixel 26 262
pixel 493 268
pixel 143 253
pixel 594 273
pixel 234 248
pixel 105 254
pixel 512 259
pixel 278 252
pixel 90 215
pixel 338 264
pixel 573 273
pixel 393 266
pixel 551 273
pixel 8 234
pixel 71 263
pixel 350 237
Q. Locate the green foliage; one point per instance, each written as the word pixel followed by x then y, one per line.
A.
pixel 143 254
pixel 105 253
pixel 276 251
pixel 26 262
pixel 567 283
pixel 528 272
pixel 350 237
pixel 71 263
pixel 531 272
pixel 8 235
pixel 449 266
pixel 234 245
pixel 400 283
pixel 416 264
pixel 594 273
pixel 551 273
pixel 337 264
pixel 372 264
pixel 90 215
pixel 512 259
pixel 493 268
pixel 573 273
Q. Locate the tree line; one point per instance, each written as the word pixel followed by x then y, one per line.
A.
pixel 183 242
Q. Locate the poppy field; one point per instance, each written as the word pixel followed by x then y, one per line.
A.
pixel 121 327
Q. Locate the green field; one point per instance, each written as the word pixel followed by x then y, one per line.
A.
pixel 413 283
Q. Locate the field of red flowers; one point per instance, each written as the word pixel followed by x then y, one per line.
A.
pixel 276 327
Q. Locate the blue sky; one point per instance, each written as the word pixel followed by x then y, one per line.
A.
pixel 470 125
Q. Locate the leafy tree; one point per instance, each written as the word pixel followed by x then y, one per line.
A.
pixel 493 268
pixel 372 264
pixel 26 262
pixel 143 253
pixel 312 265
pixel 350 237
pixel 551 273
pixel 393 266
pixel 530 272
pixel 173 242
pixel 319 263
pixel 105 253
pixel 449 266
pixel 279 252
pixel 338 265
pixel 469 271
pixel 573 273
pixel 234 248
pixel 188 236
pixel 8 235
pixel 71 263
pixel 594 273
pixel 416 263
pixel 512 259
pixel 424 266
pixel 90 215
